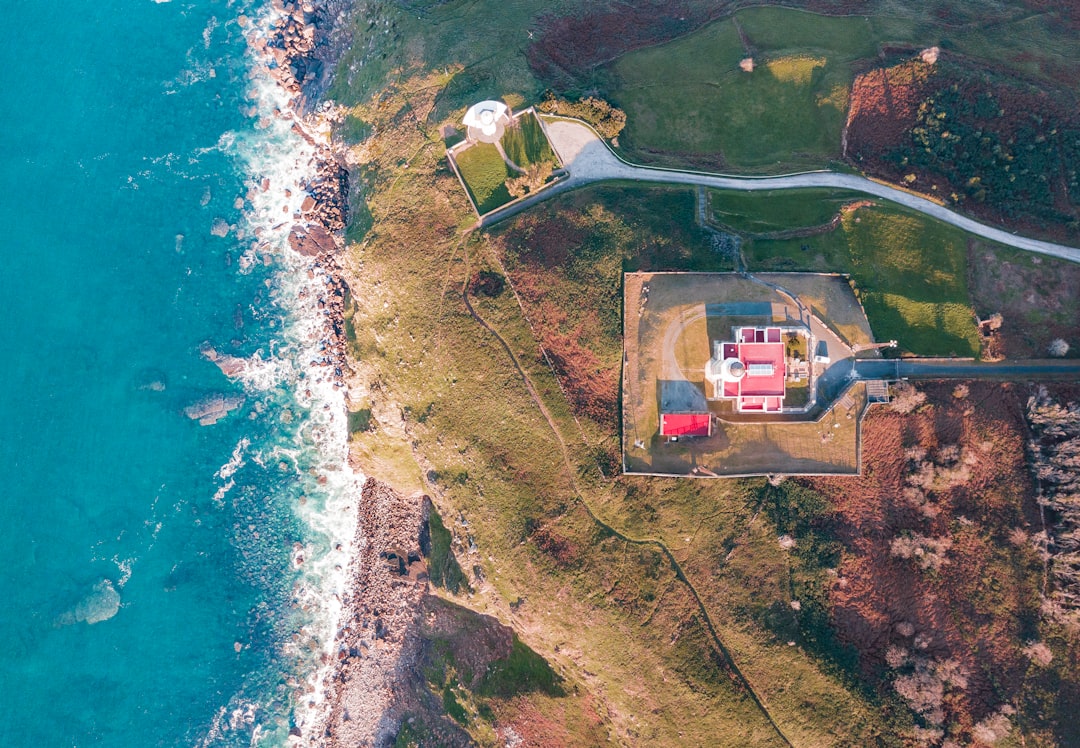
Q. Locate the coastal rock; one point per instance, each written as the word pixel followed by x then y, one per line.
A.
pixel 231 366
pixel 151 380
pixel 100 605
pixel 380 623
pixel 312 241
pixel 213 408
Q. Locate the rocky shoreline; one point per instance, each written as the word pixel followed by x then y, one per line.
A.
pixel 369 684
pixel 378 639
pixel 300 53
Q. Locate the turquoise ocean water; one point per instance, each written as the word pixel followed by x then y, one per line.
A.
pixel 148 583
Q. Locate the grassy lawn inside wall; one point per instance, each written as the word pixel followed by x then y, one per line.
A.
pixel 910 271
pixel 525 142
pixel 485 173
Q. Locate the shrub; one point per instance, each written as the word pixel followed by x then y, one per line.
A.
pixel 993 728
pixel 609 121
pixel 928 552
pixel 532 180
pixel 896 656
pixel 924 692
pixel 905 628
pixel 1038 653
pixel 924 688
pixel 905 398
pixel 486 283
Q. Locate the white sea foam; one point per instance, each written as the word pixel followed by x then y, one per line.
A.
pixel 124 567
pixel 208 32
pixel 236 461
pixel 331 488
pixel 258 374
pixel 226 472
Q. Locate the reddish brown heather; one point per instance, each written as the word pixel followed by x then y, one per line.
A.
pixel 972 609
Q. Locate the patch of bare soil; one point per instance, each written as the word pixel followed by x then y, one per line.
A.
pixel 938 588
pixel 1038 299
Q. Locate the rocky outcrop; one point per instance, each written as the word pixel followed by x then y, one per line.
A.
pixel 327 202
pixel 213 408
pixel 379 640
pixel 312 241
pixel 304 45
pixel 231 366
pixel 300 53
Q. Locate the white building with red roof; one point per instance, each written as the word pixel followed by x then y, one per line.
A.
pixel 750 370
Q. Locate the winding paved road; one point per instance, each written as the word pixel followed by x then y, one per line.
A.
pixel 588 159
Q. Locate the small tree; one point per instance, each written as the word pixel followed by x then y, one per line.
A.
pixel 1057 348
pixel 928 553
pixel 608 120
pixel 532 180
pixel 1039 653
pixel 905 398
pixel 993 728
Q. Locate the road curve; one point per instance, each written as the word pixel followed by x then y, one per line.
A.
pixel 588 159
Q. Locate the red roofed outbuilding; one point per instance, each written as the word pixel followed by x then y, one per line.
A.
pixel 685 424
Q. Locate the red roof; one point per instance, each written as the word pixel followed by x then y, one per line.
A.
pixel 763 353
pixel 762 386
pixel 685 424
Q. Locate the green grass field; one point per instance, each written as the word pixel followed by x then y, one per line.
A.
pixel 485 173
pixel 526 144
pixel 688 102
pixel 690 98
pixel 777 210
pixel 911 271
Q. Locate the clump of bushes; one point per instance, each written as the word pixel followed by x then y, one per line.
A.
pixel 993 152
pixel 535 176
pixel 1055 453
pixel 928 552
pixel 905 398
pixel 609 121
pixel 924 687
pixel 1058 348
pixel 486 283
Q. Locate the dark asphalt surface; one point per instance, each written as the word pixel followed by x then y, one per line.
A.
pixel 945 369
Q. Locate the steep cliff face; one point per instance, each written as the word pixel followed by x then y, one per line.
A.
pixel 409 663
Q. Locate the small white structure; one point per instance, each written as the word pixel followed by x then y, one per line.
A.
pixel 487 121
